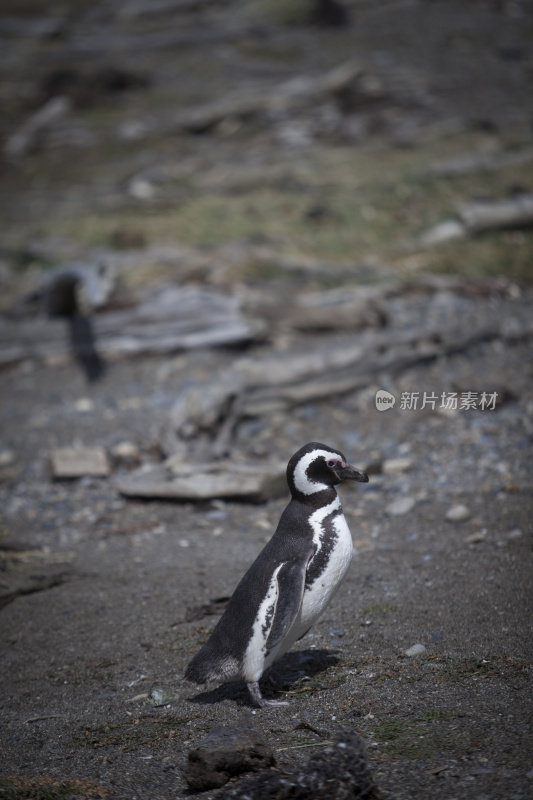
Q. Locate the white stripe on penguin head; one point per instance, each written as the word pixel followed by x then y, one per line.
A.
pixel 302 482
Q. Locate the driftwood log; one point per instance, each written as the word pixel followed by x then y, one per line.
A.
pixel 203 426
pixel 513 212
pixel 167 319
pixel 476 218
pixel 472 163
pixel 286 96
pixel 30 133
pixel 204 419
pixel 225 479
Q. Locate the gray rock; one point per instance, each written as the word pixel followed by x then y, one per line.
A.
pixel 7 457
pixel 478 536
pixel 392 466
pixel 443 232
pixel 400 506
pixel 415 650
pixel 340 770
pixel 226 752
pixel 160 696
pixel 77 462
pixel 126 454
pixel 458 513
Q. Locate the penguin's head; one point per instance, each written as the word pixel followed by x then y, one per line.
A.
pixel 316 467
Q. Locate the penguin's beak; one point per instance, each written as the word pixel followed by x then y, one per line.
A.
pixel 349 473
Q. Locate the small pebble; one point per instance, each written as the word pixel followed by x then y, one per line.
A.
pixel 216 514
pixel 415 650
pixel 126 453
pixel 6 457
pixel 392 466
pixel 478 536
pixel 400 506
pixel 160 696
pixel 141 189
pixel 84 404
pixel 515 533
pixel 458 513
pixel 77 462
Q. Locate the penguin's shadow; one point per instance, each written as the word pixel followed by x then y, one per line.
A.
pixel 303 665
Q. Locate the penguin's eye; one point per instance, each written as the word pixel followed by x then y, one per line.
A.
pixel 333 462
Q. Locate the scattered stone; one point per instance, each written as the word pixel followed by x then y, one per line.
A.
pixel 7 457
pixel 515 533
pixel 391 466
pixel 77 462
pixel 458 513
pixel 448 411
pixel 126 454
pixel 339 770
pixel 478 536
pixel 443 232
pixel 159 696
pixel 415 650
pixel 225 753
pixel 84 405
pixel 400 506
pixel 141 189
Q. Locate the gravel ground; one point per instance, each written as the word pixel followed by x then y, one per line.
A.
pixel 112 593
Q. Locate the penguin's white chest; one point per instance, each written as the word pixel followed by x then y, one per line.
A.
pixel 328 566
pixel 333 551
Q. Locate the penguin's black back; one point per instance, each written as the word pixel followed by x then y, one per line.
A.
pixel 222 656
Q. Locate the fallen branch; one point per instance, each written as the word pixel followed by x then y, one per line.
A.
pixel 203 426
pixel 515 212
pixel 474 218
pixel 288 95
pixel 167 319
pixel 471 163
pixel 228 480
pixel 32 131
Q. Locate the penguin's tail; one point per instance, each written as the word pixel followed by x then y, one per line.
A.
pixel 196 672
pixel 202 668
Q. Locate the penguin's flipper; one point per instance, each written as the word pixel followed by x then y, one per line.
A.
pixel 291 585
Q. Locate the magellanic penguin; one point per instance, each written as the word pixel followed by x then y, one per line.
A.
pixel 292 579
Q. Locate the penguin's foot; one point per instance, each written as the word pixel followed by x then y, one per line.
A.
pixel 259 700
